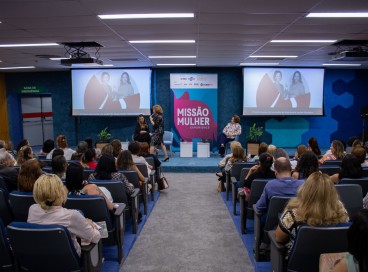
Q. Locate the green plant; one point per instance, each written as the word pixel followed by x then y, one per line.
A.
pixel 104 135
pixel 255 133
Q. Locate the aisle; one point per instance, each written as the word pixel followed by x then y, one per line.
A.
pixel 189 229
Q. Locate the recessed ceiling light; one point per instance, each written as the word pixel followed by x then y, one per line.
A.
pixel 164 41
pixel 20 67
pixel 28 44
pixel 341 64
pixel 147 16
pixel 258 63
pixel 303 41
pixel 177 64
pixel 58 58
pixel 107 65
pixel 171 57
pixel 338 15
pixel 271 56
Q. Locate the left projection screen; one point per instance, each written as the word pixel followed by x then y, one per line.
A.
pixel 111 92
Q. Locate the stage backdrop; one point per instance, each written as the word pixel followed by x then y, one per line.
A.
pixel 194 108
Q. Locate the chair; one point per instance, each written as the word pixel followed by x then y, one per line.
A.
pixel 329 169
pixel 6 214
pixel 20 203
pixel 6 260
pixel 235 172
pixel 352 197
pixel 133 178
pixel 168 140
pixel 148 179
pixel 50 248
pixel 246 208
pixel 229 143
pixel 365 172
pixel 363 182
pixel 95 208
pixel 87 172
pixel 234 182
pixel 275 208
pixel 333 162
pixel 157 175
pixel 3 185
pixel 310 243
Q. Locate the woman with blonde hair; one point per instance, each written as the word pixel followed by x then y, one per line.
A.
pixel 116 147
pixel 157 122
pixel 50 194
pixel 337 152
pixel 28 174
pixel 317 203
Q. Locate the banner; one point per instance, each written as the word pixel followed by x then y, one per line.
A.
pixel 194 107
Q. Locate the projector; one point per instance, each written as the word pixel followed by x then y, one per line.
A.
pixel 351 56
pixel 86 61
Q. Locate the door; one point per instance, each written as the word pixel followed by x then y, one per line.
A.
pixel 37 119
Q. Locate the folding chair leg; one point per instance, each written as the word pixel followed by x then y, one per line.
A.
pixel 243 213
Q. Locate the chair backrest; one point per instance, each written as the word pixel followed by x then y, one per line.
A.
pixel 20 203
pixel 365 171
pixel 352 197
pixel 5 211
pixel 237 168
pixel 3 185
pixel 143 169
pixel 363 182
pixel 132 177
pixel 115 187
pixel 150 161
pixel 43 247
pixel 275 208
pixel 6 260
pixel 87 172
pixel 256 191
pixel 93 207
pixel 333 162
pixel 311 242
pixel 168 137
pixel 329 169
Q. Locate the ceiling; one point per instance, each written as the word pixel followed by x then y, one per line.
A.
pixel 226 32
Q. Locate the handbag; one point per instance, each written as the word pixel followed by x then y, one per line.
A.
pixel 162 183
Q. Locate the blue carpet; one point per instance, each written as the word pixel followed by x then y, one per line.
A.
pixel 248 238
pixel 110 252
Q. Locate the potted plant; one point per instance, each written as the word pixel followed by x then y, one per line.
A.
pixel 104 138
pixel 255 133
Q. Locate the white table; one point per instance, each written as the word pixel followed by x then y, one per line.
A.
pixel 203 150
pixel 186 149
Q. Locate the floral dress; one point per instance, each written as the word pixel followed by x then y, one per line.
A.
pixel 158 130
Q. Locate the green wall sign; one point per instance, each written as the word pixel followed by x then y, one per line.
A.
pixel 31 89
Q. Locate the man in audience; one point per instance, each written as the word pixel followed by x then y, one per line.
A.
pixel 283 185
pixel 7 171
pixel 360 153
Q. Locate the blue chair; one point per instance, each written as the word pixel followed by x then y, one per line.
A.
pixel 20 203
pixel 352 197
pixel 363 182
pixel 95 208
pixel 155 175
pixel 6 214
pixel 6 259
pixel 50 248
pixel 168 140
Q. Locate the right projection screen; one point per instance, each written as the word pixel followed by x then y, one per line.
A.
pixel 283 91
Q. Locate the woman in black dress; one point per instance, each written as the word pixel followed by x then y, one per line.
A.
pixel 141 133
pixel 157 122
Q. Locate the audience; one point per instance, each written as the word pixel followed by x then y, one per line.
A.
pixel 89 159
pixel 134 148
pixel 317 203
pixel 50 195
pixel 360 153
pixel 62 143
pixel 107 150
pixel 59 165
pixel 57 152
pixel 271 150
pixel 76 185
pixel 48 145
pixel 313 146
pixel 224 160
pixel 307 164
pixel 144 152
pixel 7 171
pixel 260 171
pixel 356 260
pixel 283 185
pixel 337 152
pixel 350 168
pixel 82 147
pixel 299 151
pixel 25 153
pixel 28 174
pixel 21 144
pixel 261 149
pixel 125 162
pixel 116 147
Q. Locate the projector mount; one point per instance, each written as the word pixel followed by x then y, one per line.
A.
pixel 350 46
pixel 76 53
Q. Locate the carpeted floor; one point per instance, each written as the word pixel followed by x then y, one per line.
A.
pixel 189 229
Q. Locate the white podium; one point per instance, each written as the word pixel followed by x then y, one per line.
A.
pixel 203 150
pixel 186 149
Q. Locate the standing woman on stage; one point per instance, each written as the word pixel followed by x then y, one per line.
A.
pixel 157 122
pixel 232 129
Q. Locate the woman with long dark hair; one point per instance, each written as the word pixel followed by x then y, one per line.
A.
pixel 313 146
pixel 141 133
pixel 307 164
pixel 261 170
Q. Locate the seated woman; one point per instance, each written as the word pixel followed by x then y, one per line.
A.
pixel 261 149
pixel 141 133
pixel 59 165
pixel 350 168
pixel 106 170
pixel 356 260
pixel 299 151
pixel 230 131
pixel 337 152
pixel 317 203
pixel 22 143
pixel 262 170
pixel 125 162
pixel 144 152
pixel 234 145
pixel 134 148
pixel 307 164
pixel 76 184
pixel 82 147
pixel 48 145
pixel 62 143
pixel 50 195
pixel 25 153
pixel 28 174
pixel 313 146
pixel 89 159
pixel 116 147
